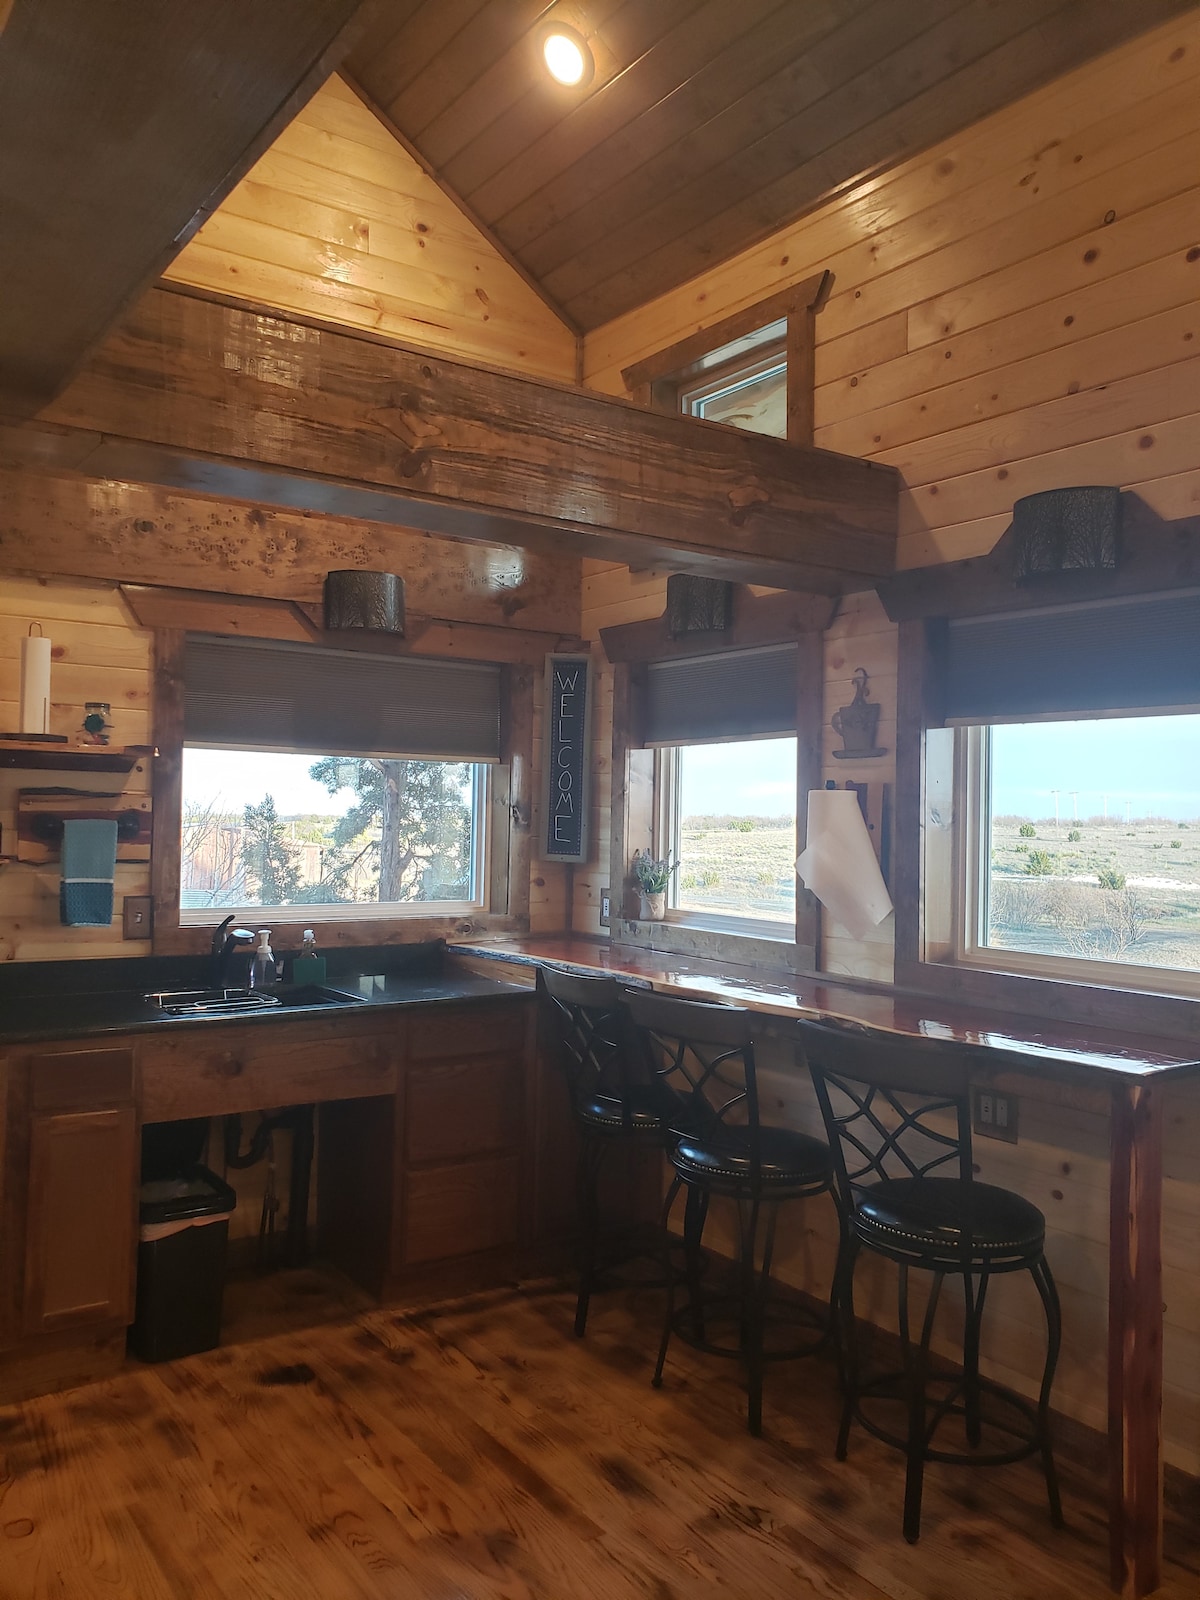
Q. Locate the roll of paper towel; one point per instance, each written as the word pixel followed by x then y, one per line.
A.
pixel 838 862
pixel 35 685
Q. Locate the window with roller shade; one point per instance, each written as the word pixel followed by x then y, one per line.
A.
pixel 724 728
pixel 336 780
pixel 1079 755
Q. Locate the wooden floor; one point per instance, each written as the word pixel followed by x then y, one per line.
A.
pixel 479 1452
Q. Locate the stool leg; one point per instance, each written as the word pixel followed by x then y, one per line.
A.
pixel 974 1295
pixel 842 1297
pixel 695 1214
pixel 1048 1291
pixel 916 1364
pixel 751 1312
pixel 669 1279
pixel 591 1159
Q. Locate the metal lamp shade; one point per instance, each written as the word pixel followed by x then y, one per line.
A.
pixel 1066 530
pixel 372 602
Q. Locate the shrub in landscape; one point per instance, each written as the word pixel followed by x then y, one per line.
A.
pixel 1040 864
pixel 1110 878
pixel 1176 844
pixel 1074 836
pixel 1027 830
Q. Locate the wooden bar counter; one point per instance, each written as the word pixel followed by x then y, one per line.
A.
pixel 1131 1070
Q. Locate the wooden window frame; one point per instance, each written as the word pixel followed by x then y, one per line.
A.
pixel 758 620
pixel 657 381
pixel 510 804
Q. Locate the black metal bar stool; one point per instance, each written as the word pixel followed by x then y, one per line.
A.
pixel 612 1099
pixel 706 1053
pixel 898 1111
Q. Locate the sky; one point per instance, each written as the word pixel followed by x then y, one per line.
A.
pixel 231 779
pixel 756 778
pixel 1151 764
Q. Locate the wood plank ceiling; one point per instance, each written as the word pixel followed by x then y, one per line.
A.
pixel 121 127
pixel 708 123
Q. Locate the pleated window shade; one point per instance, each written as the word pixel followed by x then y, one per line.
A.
pixel 254 695
pixel 1127 655
pixel 735 694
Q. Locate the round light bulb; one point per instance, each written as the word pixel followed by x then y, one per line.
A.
pixel 565 60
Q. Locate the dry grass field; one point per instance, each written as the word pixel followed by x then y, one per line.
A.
pixel 1100 888
pixel 738 866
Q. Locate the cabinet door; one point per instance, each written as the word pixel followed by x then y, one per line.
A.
pixel 79 1236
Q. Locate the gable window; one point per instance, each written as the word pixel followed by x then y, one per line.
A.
pixel 746 391
pixel 318 778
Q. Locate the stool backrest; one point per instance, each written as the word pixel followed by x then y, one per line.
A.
pixel 705 1054
pixel 894 1106
pixel 584 1014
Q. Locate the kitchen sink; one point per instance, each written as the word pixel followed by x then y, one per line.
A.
pixel 233 1002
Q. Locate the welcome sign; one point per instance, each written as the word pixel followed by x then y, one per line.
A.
pixel 566 795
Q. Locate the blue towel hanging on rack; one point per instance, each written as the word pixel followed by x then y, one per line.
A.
pixel 89 865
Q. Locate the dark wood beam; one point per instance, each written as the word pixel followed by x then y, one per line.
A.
pixel 197 395
pixel 121 128
pixel 1155 555
pixel 757 620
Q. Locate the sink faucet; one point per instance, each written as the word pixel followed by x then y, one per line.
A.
pixel 224 942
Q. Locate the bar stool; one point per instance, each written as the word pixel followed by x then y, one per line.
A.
pixel 612 1101
pixel 897 1111
pixel 706 1053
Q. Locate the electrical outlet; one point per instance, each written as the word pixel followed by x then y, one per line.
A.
pixel 994 1116
pixel 605 907
pixel 137 916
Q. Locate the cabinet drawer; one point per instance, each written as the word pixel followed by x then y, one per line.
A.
pixel 81 1080
pixel 474 1031
pixel 464 1108
pixel 204 1073
pixel 458 1211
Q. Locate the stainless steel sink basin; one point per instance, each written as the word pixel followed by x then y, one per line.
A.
pixel 210 1002
pixel 232 1002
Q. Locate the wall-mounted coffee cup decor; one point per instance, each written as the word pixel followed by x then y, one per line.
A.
pixel 858 723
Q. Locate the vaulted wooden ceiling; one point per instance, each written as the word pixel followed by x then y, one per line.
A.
pixel 708 123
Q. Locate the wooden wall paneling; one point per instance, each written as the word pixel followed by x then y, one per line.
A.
pixel 632 821
pixel 341 404
pixel 338 220
pixel 118 531
pixel 165 864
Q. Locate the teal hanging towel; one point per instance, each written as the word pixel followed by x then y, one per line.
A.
pixel 89 865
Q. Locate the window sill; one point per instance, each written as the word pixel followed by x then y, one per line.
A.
pixel 770 951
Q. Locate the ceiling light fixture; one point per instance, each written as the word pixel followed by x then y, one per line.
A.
pixel 568 59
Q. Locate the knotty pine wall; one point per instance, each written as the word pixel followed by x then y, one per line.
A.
pixel 1012 311
pixel 338 221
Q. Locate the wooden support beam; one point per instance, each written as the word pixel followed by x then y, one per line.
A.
pixel 114 530
pixel 1135 1335
pixel 196 395
pixel 122 127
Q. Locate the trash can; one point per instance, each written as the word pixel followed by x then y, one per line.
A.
pixel 183 1218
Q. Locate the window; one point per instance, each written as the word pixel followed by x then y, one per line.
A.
pixel 749 392
pixel 336 779
pixel 265 829
pixel 1081 849
pixel 728 817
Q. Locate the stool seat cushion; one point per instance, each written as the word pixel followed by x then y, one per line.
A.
pixel 789 1160
pixel 652 1109
pixel 925 1219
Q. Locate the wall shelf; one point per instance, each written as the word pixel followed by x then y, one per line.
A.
pixel 72 758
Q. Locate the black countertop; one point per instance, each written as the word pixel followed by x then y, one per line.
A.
pixel 40 1001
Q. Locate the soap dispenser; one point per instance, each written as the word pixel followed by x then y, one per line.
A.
pixel 262 968
pixel 308 966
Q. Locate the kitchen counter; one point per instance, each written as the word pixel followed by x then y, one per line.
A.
pixel 41 1009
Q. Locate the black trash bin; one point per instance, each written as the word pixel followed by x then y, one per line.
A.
pixel 184 1213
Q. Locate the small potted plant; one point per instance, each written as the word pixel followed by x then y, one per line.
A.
pixel 653 879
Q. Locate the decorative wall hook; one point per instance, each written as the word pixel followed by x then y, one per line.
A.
pixel 858 723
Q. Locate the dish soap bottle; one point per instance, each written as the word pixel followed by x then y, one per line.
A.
pixel 308 967
pixel 262 968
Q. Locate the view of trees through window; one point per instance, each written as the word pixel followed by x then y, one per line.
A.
pixel 735 829
pixel 1093 851
pixel 281 830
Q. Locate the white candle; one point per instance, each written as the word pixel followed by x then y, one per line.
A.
pixel 35 685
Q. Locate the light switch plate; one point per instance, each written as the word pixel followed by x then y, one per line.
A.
pixel 137 916
pixel 605 907
pixel 993 1115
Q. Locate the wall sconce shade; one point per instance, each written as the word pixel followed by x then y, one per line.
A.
pixel 698 605
pixel 1066 530
pixel 370 601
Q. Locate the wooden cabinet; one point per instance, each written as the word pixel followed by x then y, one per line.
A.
pixel 70 1192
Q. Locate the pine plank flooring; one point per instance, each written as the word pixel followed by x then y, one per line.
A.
pixel 476 1451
